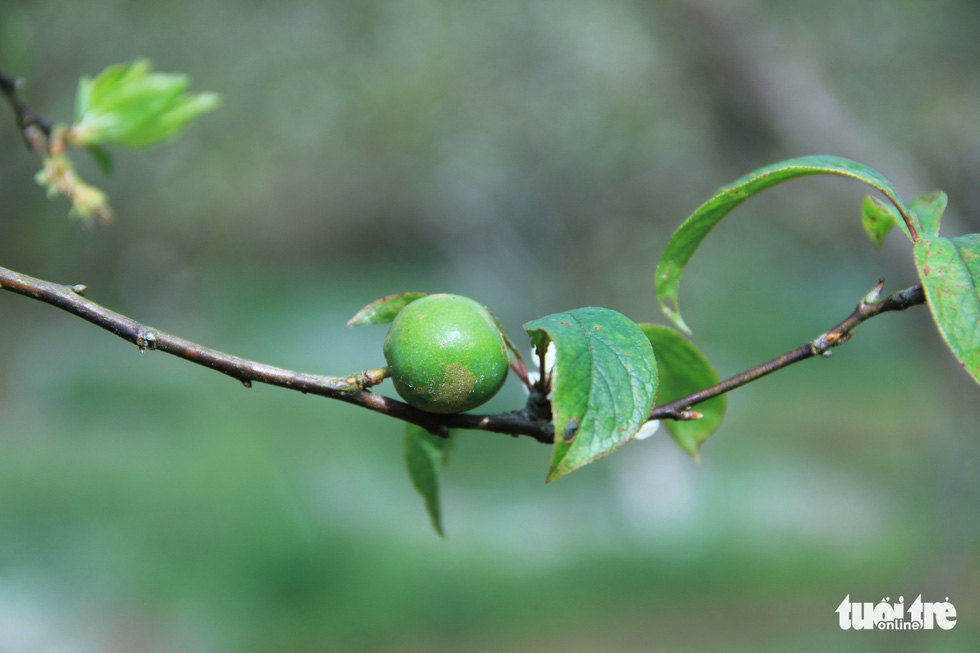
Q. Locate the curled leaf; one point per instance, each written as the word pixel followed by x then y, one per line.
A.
pixel 692 231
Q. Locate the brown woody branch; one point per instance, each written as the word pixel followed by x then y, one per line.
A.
pixel 354 389
pixel 34 128
pixel 868 308
pixel 351 389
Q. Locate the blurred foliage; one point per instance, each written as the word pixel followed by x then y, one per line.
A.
pixel 534 156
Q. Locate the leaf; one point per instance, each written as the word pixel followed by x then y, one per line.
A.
pixel 929 208
pixel 127 104
pixel 950 272
pixel 384 310
pixel 101 157
pixel 426 456
pixel 693 230
pixel 878 218
pixel 604 383
pixel 684 370
pixel 92 92
pixel 167 124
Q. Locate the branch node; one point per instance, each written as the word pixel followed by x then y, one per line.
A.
pixel 368 378
pixel 830 339
pixel 79 289
pixel 820 345
pixel 145 339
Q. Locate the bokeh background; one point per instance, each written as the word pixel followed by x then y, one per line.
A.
pixel 535 156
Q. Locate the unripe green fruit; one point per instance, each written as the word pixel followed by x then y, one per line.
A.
pixel 446 354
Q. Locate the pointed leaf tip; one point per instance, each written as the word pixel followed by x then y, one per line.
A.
pixel 426 456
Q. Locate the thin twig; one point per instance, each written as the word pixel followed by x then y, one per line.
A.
pixel 34 128
pixel 868 308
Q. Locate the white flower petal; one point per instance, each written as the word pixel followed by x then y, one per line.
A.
pixel 647 429
pixel 550 356
pixel 532 377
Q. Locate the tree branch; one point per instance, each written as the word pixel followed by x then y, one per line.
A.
pixel 351 389
pixel 34 128
pixel 868 308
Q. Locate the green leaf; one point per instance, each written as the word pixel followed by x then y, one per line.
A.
pixel 693 230
pixel 426 456
pixel 604 383
pixel 128 105
pixel 929 208
pixel 101 157
pixel 684 370
pixel 384 310
pixel 878 218
pixel 91 92
pixel 167 124
pixel 950 272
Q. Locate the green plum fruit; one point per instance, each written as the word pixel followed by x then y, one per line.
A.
pixel 446 354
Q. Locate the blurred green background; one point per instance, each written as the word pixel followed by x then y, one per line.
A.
pixel 535 156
